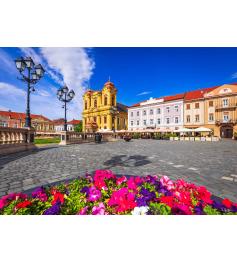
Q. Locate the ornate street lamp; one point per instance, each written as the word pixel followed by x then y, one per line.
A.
pixel 65 96
pixel 31 77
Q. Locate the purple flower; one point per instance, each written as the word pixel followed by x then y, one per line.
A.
pixel 147 194
pixel 40 194
pixel 98 210
pixel 141 201
pixel 85 190
pixel 219 206
pixel 151 179
pixel 94 194
pixel 198 210
pixel 83 211
pixel 53 210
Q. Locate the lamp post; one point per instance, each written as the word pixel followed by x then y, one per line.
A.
pixel 114 113
pixel 65 96
pixel 31 77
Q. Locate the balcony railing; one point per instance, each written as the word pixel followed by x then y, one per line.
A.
pixel 229 121
pixel 232 105
pixel 15 139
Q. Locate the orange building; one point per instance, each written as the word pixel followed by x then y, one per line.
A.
pixel 17 120
pixel 221 110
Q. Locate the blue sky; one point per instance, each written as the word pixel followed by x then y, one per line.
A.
pixel 138 73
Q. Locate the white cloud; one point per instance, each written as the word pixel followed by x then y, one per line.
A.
pixel 38 59
pixel 144 93
pixel 43 92
pixel 71 66
pixel 234 75
pixel 28 51
pixel 41 102
pixel 7 91
pixel 75 67
pixel 6 62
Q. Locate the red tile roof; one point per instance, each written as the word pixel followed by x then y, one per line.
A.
pixel 58 122
pixel 197 94
pixel 174 97
pixel 137 104
pixel 74 122
pixel 21 116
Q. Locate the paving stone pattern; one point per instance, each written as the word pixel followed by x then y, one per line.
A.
pixel 213 165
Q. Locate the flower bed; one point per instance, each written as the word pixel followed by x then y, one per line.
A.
pixel 106 194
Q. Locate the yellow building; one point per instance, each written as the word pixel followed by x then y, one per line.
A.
pixel 221 110
pixel 101 110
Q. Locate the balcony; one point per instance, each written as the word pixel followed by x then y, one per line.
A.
pixel 222 121
pixel 229 106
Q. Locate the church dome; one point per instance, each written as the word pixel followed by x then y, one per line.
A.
pixel 109 83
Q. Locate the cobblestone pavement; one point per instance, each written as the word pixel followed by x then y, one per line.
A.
pixel 213 165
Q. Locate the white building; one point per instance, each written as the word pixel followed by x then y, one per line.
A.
pixel 59 125
pixel 158 113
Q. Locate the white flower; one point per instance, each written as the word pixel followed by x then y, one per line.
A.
pixel 140 210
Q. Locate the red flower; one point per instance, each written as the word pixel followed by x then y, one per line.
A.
pixel 58 196
pixel 204 195
pixel 227 203
pixel 185 198
pixel 24 204
pixel 168 200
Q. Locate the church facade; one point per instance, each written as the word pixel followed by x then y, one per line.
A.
pixel 102 112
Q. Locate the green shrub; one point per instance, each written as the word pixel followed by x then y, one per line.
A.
pixel 136 136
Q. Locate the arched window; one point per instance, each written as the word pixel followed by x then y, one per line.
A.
pixel 113 101
pixel 95 103
pixel 85 105
pixel 105 100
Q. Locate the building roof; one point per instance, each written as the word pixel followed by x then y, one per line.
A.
pixel 187 96
pixel 197 94
pixel 21 116
pixel 74 122
pixel 166 99
pixel 173 97
pixel 122 108
pixel 58 122
pixel 137 104
pixel 109 83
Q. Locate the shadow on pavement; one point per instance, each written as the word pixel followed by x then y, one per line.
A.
pixel 5 159
pixel 127 161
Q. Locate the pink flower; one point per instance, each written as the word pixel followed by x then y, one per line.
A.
pixel 3 202
pixel 100 176
pixel 123 200
pixel 83 211
pixel 99 210
pixel 121 180
pixel 131 183
pixel 184 209
pixel 94 194
pixel 165 181
pixel 138 180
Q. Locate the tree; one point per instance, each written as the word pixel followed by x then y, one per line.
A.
pixel 78 127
